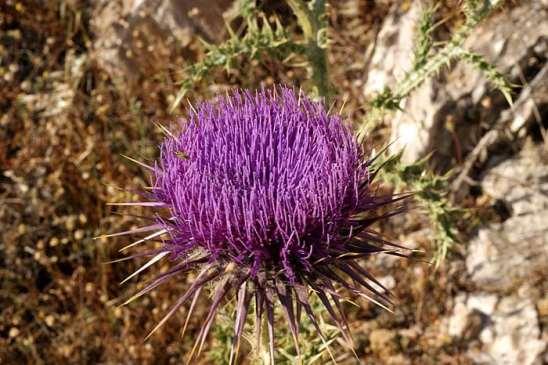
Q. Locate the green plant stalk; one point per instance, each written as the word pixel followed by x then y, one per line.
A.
pixel 261 37
pixel 261 347
pixel 415 79
pixel 428 185
pixel 312 24
pixel 430 190
pixel 476 11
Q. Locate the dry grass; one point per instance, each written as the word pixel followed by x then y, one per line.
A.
pixel 64 123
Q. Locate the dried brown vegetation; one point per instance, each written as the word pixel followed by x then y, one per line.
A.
pixel 65 121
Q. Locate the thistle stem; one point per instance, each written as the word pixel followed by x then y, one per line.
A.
pixel 475 12
pixel 263 343
pixel 312 24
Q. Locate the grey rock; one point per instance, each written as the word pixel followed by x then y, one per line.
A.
pixel 136 37
pixel 512 334
pixel 508 329
pixel 391 58
pixel 460 321
pixel 508 39
pixel 507 254
pixel 499 321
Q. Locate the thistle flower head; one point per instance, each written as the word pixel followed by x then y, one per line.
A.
pixel 263 180
pixel 269 197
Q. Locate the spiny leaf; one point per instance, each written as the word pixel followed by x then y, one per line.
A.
pixel 490 72
pixel 260 36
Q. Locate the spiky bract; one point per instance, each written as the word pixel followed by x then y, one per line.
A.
pixel 269 197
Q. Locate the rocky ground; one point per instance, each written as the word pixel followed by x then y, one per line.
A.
pixel 80 83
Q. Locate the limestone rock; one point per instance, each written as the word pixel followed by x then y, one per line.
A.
pixel 512 335
pixel 461 96
pixel 507 254
pixel 395 40
pixel 500 321
pixel 508 328
pixel 460 320
pixel 135 37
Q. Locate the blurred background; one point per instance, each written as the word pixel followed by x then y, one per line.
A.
pixel 82 81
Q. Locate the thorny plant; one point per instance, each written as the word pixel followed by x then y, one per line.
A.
pixel 312 348
pixel 264 35
pixel 271 199
pixel 427 62
pixel 430 191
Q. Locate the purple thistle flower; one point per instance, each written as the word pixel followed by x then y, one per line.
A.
pixel 270 198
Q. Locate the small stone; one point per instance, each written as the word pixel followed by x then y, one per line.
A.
pixel 388 282
pixel 14 332
pixel 70 223
pixel 118 312
pixel 484 303
pixel 22 229
pixel 79 234
pixel 457 321
pixel 50 320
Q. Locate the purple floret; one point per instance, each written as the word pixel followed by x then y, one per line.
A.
pixel 263 179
